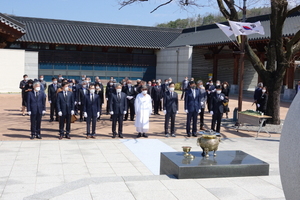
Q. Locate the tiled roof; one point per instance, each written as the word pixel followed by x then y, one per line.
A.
pixel 96 34
pixel 211 34
pixel 4 19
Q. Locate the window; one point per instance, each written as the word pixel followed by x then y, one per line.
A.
pixel 112 50
pixel 86 48
pixel 124 68
pixel 87 67
pixel 112 68
pixel 15 46
pixel 74 67
pixel 97 49
pixel 137 51
pixel 148 51
pixel 136 69
pixel 122 50
pixel 32 46
pixel 71 47
pixel 48 78
pixel 45 66
pixel 60 66
pixel 60 47
pixel 44 46
pixel 100 67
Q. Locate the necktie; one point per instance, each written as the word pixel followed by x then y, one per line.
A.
pixel 92 98
pixel 36 95
pixel 171 94
pixel 65 95
pixel 119 97
pixel 129 89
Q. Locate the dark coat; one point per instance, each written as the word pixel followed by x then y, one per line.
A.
pixel 132 92
pixel 92 108
pixel 65 106
pixel 262 101
pixel 80 95
pixel 216 104
pixel 190 103
pixel 36 105
pixel 118 107
pixel 157 93
pixel 52 96
pixel 171 103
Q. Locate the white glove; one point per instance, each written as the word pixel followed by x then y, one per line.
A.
pixel 222 98
pixel 75 102
pixel 103 104
pixel 111 112
pixel 165 112
pixel 186 111
pixel 213 90
pixel 211 112
pixel 29 113
pixel 79 103
pixel 161 99
pixel 98 114
pixel 202 103
pixel 208 92
pixel 60 113
pixel 49 102
pixel 72 112
pixel 85 114
pixel 106 99
pixel 43 112
pixel 258 105
pixel 176 112
pixel 125 112
pixel 199 111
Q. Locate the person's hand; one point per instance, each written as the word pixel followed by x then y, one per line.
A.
pixel 72 112
pixel 85 114
pixel 208 92
pixel 98 114
pixel 43 112
pixel 211 112
pixel 258 105
pixel 60 113
pixel 161 99
pixel 165 112
pixel 186 111
pixel 79 103
pixel 111 112
pixel 75 102
pixel 222 98
pixel 176 112
pixel 125 112
pixel 50 102
pixel 103 104
pixel 29 113
pixel 202 103
pixel 199 111
pixel 106 99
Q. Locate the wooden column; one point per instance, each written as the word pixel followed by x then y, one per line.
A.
pixel 215 67
pixel 236 70
pixel 290 76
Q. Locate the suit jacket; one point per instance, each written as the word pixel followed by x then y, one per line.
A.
pixel 65 106
pixel 36 105
pixel 257 93
pixel 109 90
pixel 52 96
pixel 165 88
pixel 118 106
pixel 91 108
pixel 80 95
pixel 203 97
pixel 262 101
pixel 191 103
pixel 157 93
pixel 101 95
pixel 132 92
pixel 185 85
pixel 216 104
pixel 171 103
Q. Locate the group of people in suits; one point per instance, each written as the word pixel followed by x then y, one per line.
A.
pixel 124 101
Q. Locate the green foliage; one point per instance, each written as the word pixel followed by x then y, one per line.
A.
pixel 177 86
pixel 210 18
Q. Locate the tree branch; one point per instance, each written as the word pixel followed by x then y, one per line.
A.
pixel 126 3
pixel 223 10
pixel 254 59
pixel 290 48
pixel 233 12
pixel 290 12
pixel 161 6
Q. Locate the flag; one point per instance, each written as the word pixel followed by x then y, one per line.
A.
pixel 246 28
pixel 226 29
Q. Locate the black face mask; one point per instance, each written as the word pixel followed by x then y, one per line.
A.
pixel 193 87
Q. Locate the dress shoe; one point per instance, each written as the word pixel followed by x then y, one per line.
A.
pixel 114 135
pixel 125 120
pixel 167 134
pixel 139 135
pixel 60 137
pixel 93 137
pixel 131 119
pixel 39 136
pixel 51 120
pixel 189 135
pixel 194 135
pixel 144 135
pixel 56 119
pixel 120 135
pixel 87 137
pixel 68 137
pixel 157 113
pixel 173 135
pixel 32 137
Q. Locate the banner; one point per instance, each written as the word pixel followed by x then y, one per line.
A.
pixel 246 28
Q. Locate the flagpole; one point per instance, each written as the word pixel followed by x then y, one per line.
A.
pixel 242 62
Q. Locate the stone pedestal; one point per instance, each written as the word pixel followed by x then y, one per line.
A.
pixel 289 94
pixel 225 164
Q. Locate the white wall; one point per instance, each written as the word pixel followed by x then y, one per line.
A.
pixel 11 69
pixel 170 58
pixel 31 64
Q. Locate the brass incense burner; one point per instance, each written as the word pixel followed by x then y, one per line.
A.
pixel 209 141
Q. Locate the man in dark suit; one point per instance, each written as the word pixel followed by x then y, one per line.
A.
pixel 100 92
pixel 210 88
pixel 65 108
pixel 192 108
pixel 81 92
pixel 131 94
pixel 297 87
pixel 184 86
pixel 118 107
pixel 91 111
pixel 157 96
pixel 170 109
pixel 110 89
pixel 36 108
pixel 203 98
pixel 52 97
pixel 217 108
pixel 257 93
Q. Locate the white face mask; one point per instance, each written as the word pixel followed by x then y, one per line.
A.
pixel 92 91
pixel 84 86
pixel 37 89
pixel 54 82
pixel 26 79
pixel 263 91
pixel 225 85
pixel 211 84
pixel 170 81
pixel 166 83
pixel 111 79
pixel 111 83
pixel 171 89
pixel 200 86
pixel 219 91
pixel 119 90
pixel 41 79
pixel 82 79
pixel 99 82
pixel 66 88
pixel 71 84
pixel 217 84
pixel 97 87
pixel 60 78
pixel 29 85
pixel 129 85
pixel 144 91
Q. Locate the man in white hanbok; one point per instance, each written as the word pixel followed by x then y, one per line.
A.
pixel 143 110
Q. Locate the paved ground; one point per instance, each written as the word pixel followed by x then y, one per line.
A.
pixel 107 168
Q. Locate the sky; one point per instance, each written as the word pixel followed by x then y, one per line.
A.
pixel 103 11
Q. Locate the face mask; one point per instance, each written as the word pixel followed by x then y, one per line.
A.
pixel 66 88
pixel 60 78
pixel 118 90
pixel 170 81
pixel 37 89
pixel 92 91
pixel 171 89
pixel 41 79
pixel 59 84
pixel 124 83
pixel 54 82
pixel 99 82
pixel 84 86
pixel 263 91
pixel 88 81
pixel 149 84
pixel 26 79
pixel 82 79
pixel 218 91
pixel 166 83
pixel 110 83
pixel 129 85
pixel 71 84
pixel 200 86
pixel 97 87
pixel 29 85
pixel 225 85
pixel 211 84
pixel 217 84
pixel 144 91
pixel 111 79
